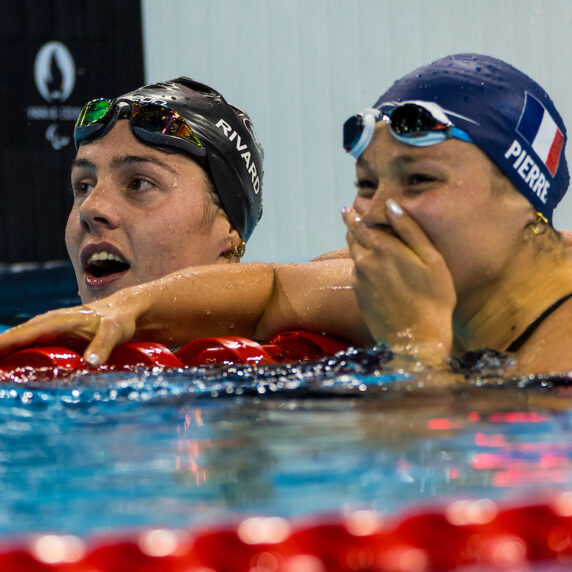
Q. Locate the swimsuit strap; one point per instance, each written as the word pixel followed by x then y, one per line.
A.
pixel 520 341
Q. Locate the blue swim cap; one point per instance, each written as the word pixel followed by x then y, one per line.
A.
pixel 507 115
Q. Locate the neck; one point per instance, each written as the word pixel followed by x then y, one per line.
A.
pixel 495 316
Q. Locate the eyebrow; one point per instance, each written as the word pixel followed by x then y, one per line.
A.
pixel 118 162
pixel 365 165
pixel 134 159
pixel 401 160
pixel 83 163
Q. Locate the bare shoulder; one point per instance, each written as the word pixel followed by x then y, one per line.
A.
pixel 549 349
pixel 345 253
pixel 567 236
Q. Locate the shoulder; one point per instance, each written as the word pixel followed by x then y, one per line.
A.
pixel 549 349
pixel 345 253
pixel 567 237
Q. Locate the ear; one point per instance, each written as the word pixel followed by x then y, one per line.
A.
pixel 539 225
pixel 234 246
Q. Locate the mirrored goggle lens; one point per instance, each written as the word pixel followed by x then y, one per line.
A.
pixel 410 123
pixel 156 118
pixel 353 129
pixel 411 120
pixel 93 112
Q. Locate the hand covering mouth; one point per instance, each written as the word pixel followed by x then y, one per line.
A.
pixel 384 227
pixel 104 263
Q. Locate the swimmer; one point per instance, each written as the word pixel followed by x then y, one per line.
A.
pixel 460 165
pixel 165 177
pixel 455 254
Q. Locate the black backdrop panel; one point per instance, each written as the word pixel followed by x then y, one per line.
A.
pixel 54 56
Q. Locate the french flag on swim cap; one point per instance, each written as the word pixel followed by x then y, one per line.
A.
pixel 540 130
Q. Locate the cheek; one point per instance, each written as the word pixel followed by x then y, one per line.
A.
pixel 446 228
pixel 72 234
pixel 173 241
pixel 457 234
pixel 163 239
pixel 436 226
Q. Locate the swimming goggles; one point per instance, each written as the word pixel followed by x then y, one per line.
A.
pixel 152 123
pixel 417 123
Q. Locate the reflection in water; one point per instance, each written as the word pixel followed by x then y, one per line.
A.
pixel 87 454
pixel 230 464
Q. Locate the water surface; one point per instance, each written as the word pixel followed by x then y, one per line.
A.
pixel 94 453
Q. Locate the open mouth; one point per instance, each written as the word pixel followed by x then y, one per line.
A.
pixel 102 264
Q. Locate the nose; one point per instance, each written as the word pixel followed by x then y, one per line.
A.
pixel 374 211
pixel 99 209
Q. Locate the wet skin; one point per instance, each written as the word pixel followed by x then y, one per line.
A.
pixel 141 211
pixel 448 190
pixel 432 238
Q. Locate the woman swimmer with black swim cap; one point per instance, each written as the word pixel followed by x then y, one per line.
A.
pixel 450 232
pixel 177 184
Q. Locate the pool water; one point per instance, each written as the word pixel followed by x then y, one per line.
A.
pixel 91 453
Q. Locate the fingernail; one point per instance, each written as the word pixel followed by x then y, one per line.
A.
pixel 347 211
pixel 93 359
pixel 395 209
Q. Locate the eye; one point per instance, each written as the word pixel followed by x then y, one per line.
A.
pixel 419 181
pixel 80 188
pixel 415 179
pixel 366 187
pixel 140 184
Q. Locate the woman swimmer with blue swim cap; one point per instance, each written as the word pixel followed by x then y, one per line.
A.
pixel 459 167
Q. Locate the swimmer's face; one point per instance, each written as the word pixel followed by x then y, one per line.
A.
pixel 469 211
pixel 139 213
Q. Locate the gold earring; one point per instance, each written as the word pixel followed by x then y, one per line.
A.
pixel 540 225
pixel 238 250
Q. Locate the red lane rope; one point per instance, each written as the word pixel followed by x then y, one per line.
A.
pixel 296 345
pixel 463 535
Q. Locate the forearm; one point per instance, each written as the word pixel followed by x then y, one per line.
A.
pixel 211 300
pixel 253 300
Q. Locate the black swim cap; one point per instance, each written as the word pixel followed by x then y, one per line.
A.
pixel 234 154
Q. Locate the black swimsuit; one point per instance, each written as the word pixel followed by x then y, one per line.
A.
pixel 523 338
